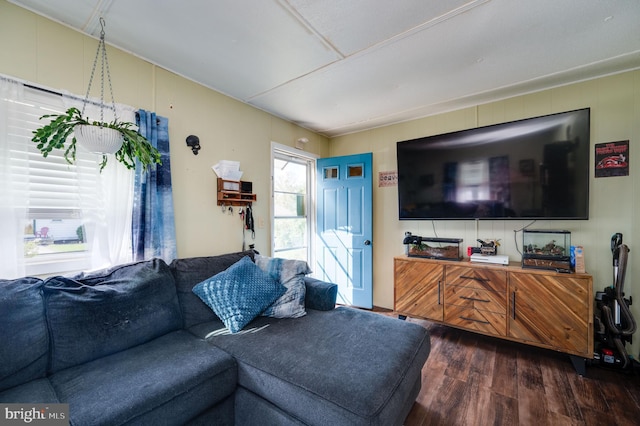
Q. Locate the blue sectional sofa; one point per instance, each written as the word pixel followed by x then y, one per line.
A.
pixel 134 345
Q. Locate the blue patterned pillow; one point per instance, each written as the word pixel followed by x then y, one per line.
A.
pixel 239 294
pixel 290 273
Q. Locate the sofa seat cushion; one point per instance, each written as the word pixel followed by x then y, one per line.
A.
pixel 24 350
pixel 254 410
pixel 37 391
pixel 343 366
pixel 95 315
pixel 168 380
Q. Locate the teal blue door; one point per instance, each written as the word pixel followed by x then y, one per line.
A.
pixel 344 227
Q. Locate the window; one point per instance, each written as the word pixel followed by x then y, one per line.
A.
pixel 472 182
pixel 293 206
pixel 330 173
pixel 55 217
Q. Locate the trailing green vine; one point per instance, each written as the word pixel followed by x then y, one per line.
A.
pixel 55 135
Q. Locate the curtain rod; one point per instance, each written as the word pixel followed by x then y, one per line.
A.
pixel 55 92
pixel 30 86
pixel 42 89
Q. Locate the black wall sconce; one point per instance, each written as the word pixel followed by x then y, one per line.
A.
pixel 193 142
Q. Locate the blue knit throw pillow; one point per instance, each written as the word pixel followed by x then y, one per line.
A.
pixel 240 293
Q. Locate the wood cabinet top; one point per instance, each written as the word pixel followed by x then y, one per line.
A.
pixel 512 267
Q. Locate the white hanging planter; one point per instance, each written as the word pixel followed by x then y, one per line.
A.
pixel 97 139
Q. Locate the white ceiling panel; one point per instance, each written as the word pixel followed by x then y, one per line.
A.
pixel 355 25
pixel 422 71
pixel 339 66
pixel 242 50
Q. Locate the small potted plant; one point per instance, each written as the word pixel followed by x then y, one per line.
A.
pixel 119 138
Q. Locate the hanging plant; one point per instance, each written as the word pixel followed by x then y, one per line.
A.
pixel 56 134
pixel 119 138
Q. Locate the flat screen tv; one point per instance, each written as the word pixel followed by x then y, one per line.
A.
pixel 537 168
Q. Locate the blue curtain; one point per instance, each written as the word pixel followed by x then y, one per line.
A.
pixel 153 225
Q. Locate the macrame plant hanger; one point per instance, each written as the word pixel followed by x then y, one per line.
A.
pixel 99 138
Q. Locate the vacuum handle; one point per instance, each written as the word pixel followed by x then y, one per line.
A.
pixel 616 241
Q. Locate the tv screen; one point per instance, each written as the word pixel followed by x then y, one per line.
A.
pixel 537 168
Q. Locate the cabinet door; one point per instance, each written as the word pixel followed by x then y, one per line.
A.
pixel 418 289
pixel 551 310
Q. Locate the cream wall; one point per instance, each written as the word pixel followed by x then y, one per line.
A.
pixel 614 202
pixel 41 51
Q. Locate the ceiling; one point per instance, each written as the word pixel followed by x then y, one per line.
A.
pixel 337 67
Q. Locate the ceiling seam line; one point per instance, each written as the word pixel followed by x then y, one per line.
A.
pixel 297 16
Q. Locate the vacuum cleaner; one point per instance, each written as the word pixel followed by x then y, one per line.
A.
pixel 614 324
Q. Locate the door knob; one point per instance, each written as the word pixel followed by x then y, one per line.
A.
pixel 367 242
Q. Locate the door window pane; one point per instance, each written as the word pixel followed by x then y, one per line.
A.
pixel 289 204
pixel 331 173
pixel 290 234
pixel 355 171
pixel 291 186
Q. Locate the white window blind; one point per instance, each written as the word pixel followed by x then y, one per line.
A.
pixel 59 211
pixel 52 183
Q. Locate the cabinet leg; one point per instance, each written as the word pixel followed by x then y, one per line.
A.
pixel 402 317
pixel 580 364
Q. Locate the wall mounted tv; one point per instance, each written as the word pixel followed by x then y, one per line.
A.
pixel 537 168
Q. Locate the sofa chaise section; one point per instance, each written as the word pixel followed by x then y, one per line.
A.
pixel 340 367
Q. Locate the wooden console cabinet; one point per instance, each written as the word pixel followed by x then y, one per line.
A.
pixel 532 306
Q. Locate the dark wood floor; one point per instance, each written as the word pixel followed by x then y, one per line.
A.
pixel 471 379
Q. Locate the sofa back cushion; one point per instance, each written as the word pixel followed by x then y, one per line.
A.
pixel 24 347
pixel 91 316
pixel 191 271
